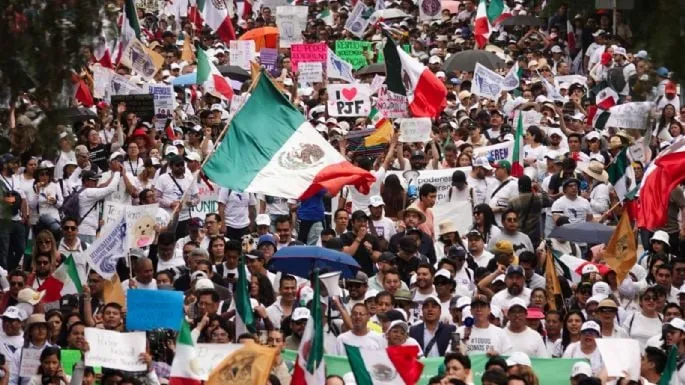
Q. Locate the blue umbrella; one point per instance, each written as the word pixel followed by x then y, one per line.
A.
pixel 301 261
pixel 185 80
pixel 589 232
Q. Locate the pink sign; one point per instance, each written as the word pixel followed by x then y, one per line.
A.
pixel 308 53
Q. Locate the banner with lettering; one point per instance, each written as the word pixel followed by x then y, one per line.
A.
pixel 308 53
pixel 349 99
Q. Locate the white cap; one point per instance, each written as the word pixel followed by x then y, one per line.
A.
pixel 591 325
pixel 14 312
pixel 519 358
pixel 204 283
pixel 171 150
pixel 516 301
pixel 592 135
pixel 442 273
pixel 581 368
pixel 370 293
pixel 556 49
pixel 399 323
pixel 179 142
pixel 677 323
pixel 300 313
pixel 578 116
pixel 660 235
pixel 216 107
pixel 482 162
pixel 597 298
pixel 434 60
pixel 175 66
pixel 193 156
pixel 432 297
pixel 620 51
pixel 333 121
pixel 465 301
pixel 552 154
pixel 263 220
pixel 601 288
pixel 440 75
pixel 589 268
pixel 598 32
pixel 376 201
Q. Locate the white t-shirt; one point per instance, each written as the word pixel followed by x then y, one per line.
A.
pixel 482 339
pixel 642 328
pixel 501 196
pixel 503 298
pixel 275 205
pixel 573 351
pixel 483 259
pixel 482 188
pixel 361 201
pixel 576 210
pixel 120 195
pixel 529 341
pixel 372 340
pixel 171 192
pixel 385 228
pixel 236 207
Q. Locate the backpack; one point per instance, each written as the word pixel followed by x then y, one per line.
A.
pixel 72 208
pixel 616 79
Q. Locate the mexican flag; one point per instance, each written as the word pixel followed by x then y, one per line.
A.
pixel 517 155
pixel 399 365
pixel 309 366
pixel 65 280
pixel 570 37
pixel 661 177
pixel 481 26
pixel 272 149
pixel 130 27
pixel 425 93
pixel 183 368
pixel 384 129
pixel 244 317
pixel 494 10
pixel 622 176
pixel 215 14
pixel 210 78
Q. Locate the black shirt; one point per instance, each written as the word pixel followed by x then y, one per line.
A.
pixel 363 255
pixel 426 248
pixel 99 155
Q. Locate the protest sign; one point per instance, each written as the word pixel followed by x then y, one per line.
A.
pixel 119 85
pixel 377 83
pixel 237 102
pixel 620 356
pixel 111 245
pixel 30 361
pixel 337 68
pixel 291 21
pixel 208 356
pixel 142 105
pixel 154 309
pixel 308 53
pixel 242 52
pixel 140 221
pixel 163 100
pixel 390 104
pixel 136 57
pixel 415 130
pixel 268 57
pixel 530 118
pixel 429 9
pixel 511 81
pixel 630 115
pixel 496 152
pixel 486 83
pixel 102 77
pixel 349 99
pixel 359 19
pixel 570 79
pixel 310 73
pixel 68 358
pixel 115 350
pixel 353 52
pixel 208 201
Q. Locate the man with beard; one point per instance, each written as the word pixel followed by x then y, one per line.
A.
pixel 412 218
pixel 515 281
pixel 356 288
pixel 42 267
pixel 480 182
pixel 510 233
pixel 298 322
pixel 424 282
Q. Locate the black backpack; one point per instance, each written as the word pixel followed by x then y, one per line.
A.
pixel 72 207
pixel 616 79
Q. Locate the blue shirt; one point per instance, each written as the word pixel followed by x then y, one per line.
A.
pixel 312 209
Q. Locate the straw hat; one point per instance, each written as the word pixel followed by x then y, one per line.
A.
pixel 446 227
pixel 595 169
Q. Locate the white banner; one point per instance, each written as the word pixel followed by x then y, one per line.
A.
pixel 291 21
pixel 358 19
pixel 500 151
pixel 621 356
pixel 115 350
pixel 242 52
pixel 349 99
pixel 570 79
pixel 630 115
pixel 430 9
pixel 208 356
pixel 140 221
pixel 136 57
pixel 164 97
pixel 110 245
pixel 337 68
pixel 486 82
pixel 415 130
pixel 511 81
pixel 310 72
pixel 102 77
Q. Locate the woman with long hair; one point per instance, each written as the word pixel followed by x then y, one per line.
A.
pixel 484 221
pixel 464 160
pixel 133 162
pixel 47 195
pixel 661 132
pixel 261 289
pixel 144 180
pixel 394 196
pixel 56 325
pixel 648 321
pixel 570 331
pixel 216 249
pixel 43 243
pixel 534 148
pixel 50 371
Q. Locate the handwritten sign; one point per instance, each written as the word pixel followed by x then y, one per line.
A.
pixel 359 19
pixel 237 101
pixel 208 356
pixel 30 361
pixel 208 201
pixel 392 105
pixel 242 53
pixel 353 52
pixel 291 21
pixel 415 130
pixel 140 221
pixel 163 100
pixel 630 115
pixel 311 73
pixel 268 57
pixel 349 99
pixel 308 53
pixel 115 350
pixel 500 151
pixel 377 83
pixel 154 309
pixel 142 105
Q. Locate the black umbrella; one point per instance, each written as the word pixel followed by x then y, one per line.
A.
pixel 372 69
pixel 466 61
pixel 590 232
pixel 234 72
pixel 521 20
pixel 75 114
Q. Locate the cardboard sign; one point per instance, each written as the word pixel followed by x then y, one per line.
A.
pixel 30 362
pixel 415 130
pixel 359 19
pixel 349 100
pixel 291 21
pixel 353 52
pixel 142 105
pixel 268 57
pixel 115 350
pixel 486 83
pixel 310 73
pixel 154 309
pixel 630 115
pixel 429 9
pixel 163 100
pixel 208 201
pixel 308 53
pixel 391 104
pixel 242 52
pixel 140 221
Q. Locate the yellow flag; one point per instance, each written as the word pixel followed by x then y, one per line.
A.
pixel 621 252
pixel 552 285
pixel 382 135
pixel 249 365
pixel 187 54
pixel 157 59
pixel 112 292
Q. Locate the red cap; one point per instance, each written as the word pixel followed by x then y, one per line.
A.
pixel 670 88
pixel 102 105
pixel 535 313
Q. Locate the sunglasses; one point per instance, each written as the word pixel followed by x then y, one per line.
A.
pixel 649 298
pixel 606 310
pixel 69 228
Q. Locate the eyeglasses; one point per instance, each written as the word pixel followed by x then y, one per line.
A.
pixel 649 298
pixel 511 219
pixel 606 310
pixel 69 228
pixel 16 283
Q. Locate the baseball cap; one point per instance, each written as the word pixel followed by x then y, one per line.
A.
pixel 434 60
pixel 456 251
pixel 474 234
pixel 193 156
pixel 677 323
pixel 387 256
pixel 116 155
pixel 502 164
pixel 514 269
pixel 590 268
pixel 516 301
pixel 480 299
pixel 556 49
pixel 599 32
pixel 444 273
pixel 300 313
pixel 418 154
pixel 266 238
pixel 255 254
pixel 361 277
pixel 458 178
pixel 432 298
pixel 591 326
pixel 195 223
pixel 482 162
pixel 399 323
pixel 89 175
pixel 14 312
pixel 376 201
pixel 581 368
pixel 601 288
pixel 519 358
pixel 263 220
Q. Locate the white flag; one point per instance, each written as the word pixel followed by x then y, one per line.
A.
pixel 337 68
pixel 511 81
pixel 111 245
pixel 486 82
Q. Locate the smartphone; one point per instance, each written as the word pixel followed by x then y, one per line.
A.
pixel 454 343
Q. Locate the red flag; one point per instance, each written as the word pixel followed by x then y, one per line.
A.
pixel 82 94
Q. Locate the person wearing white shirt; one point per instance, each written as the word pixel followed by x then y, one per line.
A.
pixel 70 244
pixel 599 190
pixel 122 193
pixel 383 226
pixel 361 201
pixel 283 307
pixel 66 154
pixel 482 185
pixel 196 233
pixel 587 346
pixel 515 280
pixel 484 337
pixel 171 188
pixel 523 338
pixel 91 197
pixel 576 208
pixel 505 191
pixel 477 253
pixel 238 211
pixel 360 335
pixel 143 278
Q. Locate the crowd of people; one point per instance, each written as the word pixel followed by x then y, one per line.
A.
pixel 422 281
